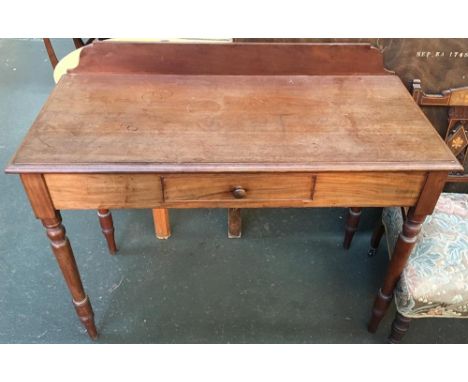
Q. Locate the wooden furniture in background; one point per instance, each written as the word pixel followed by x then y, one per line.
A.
pixel 78 42
pixel 352 221
pixel 107 226
pixel 456 136
pixel 161 223
pixel 230 126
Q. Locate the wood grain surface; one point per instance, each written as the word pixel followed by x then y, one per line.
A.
pixel 220 187
pixel 170 123
pixel 231 58
pixel 366 189
pixel 38 195
pixel 441 63
pixel 98 191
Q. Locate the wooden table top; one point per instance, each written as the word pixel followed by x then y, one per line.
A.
pixel 101 122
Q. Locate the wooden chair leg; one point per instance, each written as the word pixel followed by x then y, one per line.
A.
pixel 375 240
pixel 400 326
pixel 162 226
pixel 234 223
pixel 50 52
pixel 107 226
pixel 354 215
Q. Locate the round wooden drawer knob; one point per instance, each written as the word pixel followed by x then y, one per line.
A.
pixel 239 192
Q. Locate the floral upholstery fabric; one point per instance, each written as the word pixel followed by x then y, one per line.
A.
pixel 434 283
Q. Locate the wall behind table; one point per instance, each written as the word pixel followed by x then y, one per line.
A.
pixel 439 63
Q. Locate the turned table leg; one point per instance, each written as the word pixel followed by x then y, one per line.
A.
pixel 107 226
pixel 64 255
pixel 402 251
pixel 234 223
pixel 354 215
pixel 162 226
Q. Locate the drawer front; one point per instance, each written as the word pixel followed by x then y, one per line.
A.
pixel 75 191
pixel 368 189
pixel 242 188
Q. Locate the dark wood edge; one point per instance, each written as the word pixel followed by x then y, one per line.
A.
pixel 210 42
pixel 457 179
pixel 314 183
pixel 231 167
pixel 260 203
pixel 163 188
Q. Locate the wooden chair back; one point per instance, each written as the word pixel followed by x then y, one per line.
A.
pixel 51 51
pixel 456 136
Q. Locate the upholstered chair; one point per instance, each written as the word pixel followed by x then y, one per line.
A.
pixel 434 282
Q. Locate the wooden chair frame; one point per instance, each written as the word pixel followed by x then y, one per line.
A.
pixel 79 43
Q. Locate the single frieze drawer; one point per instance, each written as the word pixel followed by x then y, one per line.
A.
pixel 242 187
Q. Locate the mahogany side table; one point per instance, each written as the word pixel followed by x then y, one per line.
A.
pixel 160 125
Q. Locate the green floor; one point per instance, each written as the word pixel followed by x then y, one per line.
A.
pixel 288 280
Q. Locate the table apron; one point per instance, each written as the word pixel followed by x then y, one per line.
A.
pixel 260 190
